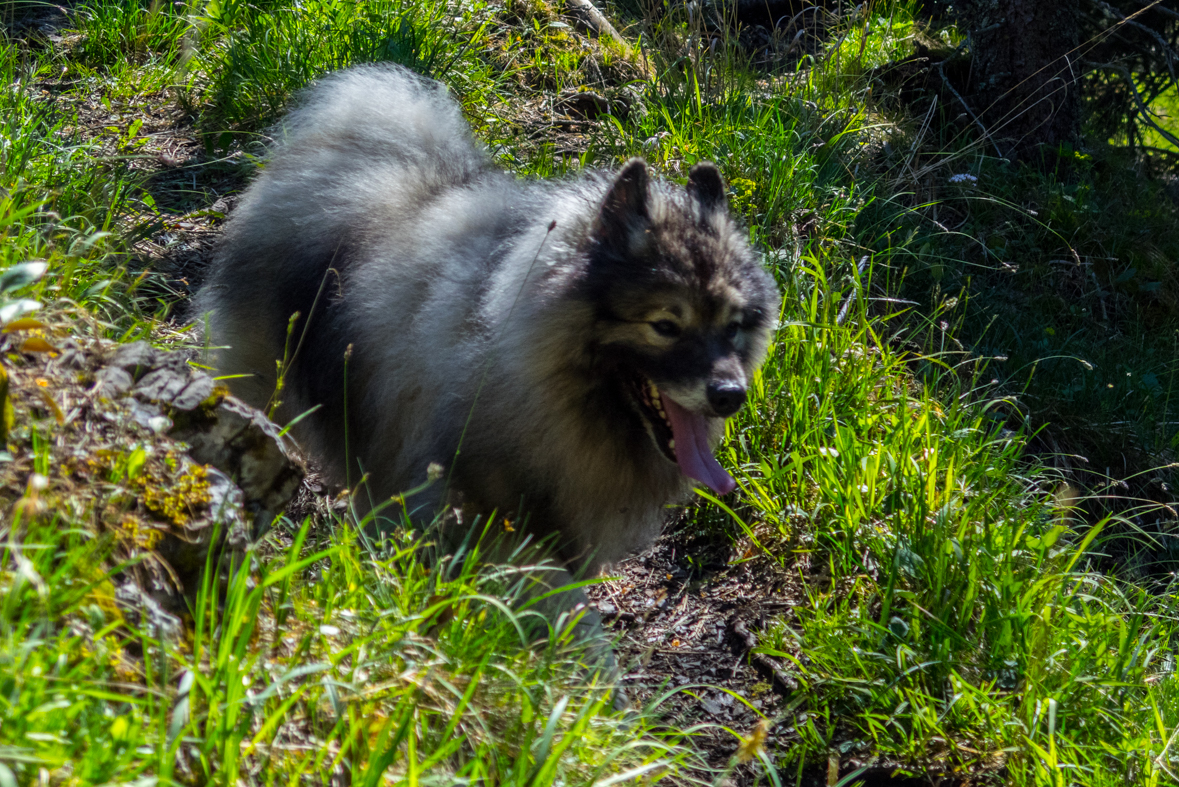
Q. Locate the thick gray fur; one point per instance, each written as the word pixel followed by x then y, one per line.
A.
pixel 491 320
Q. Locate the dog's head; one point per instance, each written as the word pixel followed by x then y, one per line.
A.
pixel 684 312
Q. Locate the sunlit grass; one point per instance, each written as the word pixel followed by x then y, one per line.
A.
pixel 954 608
pixel 1166 109
pixel 381 668
pixel 953 621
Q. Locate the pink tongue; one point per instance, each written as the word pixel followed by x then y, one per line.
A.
pixel 695 458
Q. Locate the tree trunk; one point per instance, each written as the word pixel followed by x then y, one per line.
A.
pixel 1024 85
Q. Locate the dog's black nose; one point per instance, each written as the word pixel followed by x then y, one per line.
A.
pixel 726 397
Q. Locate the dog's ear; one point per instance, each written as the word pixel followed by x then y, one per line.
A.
pixel 708 187
pixel 624 212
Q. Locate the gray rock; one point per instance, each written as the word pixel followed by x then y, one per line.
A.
pixel 145 613
pixel 136 358
pixel 148 415
pixel 251 473
pixel 162 385
pixel 225 500
pixel 112 382
pixel 199 388
pixel 186 548
pixel 243 443
pixel 711 706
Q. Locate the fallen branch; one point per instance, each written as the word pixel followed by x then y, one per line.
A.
pixel 589 15
pixel 749 639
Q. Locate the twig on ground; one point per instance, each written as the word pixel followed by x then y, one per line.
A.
pixel 749 639
pixel 589 15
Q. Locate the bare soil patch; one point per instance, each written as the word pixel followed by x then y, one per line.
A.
pixel 688 614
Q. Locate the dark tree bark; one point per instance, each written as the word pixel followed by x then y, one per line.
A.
pixel 1024 73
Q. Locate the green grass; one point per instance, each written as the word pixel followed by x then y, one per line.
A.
pixel 955 608
pixel 372 669
pixel 61 195
pixel 132 34
pixel 257 58
pixel 953 618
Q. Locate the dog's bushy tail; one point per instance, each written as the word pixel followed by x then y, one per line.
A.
pixel 386 113
pixel 364 148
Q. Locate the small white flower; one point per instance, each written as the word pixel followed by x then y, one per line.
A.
pixel 964 178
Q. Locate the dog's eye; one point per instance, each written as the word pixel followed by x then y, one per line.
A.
pixel 732 329
pixel 666 328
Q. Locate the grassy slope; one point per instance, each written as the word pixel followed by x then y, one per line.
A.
pixel 952 625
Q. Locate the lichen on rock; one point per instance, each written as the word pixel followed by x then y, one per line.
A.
pixel 133 444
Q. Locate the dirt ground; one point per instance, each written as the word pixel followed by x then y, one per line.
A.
pixel 688 614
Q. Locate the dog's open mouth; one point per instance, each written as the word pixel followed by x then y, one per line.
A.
pixel 682 436
pixel 658 425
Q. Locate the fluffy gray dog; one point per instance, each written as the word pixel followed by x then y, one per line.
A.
pixel 566 351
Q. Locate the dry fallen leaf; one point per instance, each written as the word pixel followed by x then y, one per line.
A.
pixel 35 344
pixel 24 324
